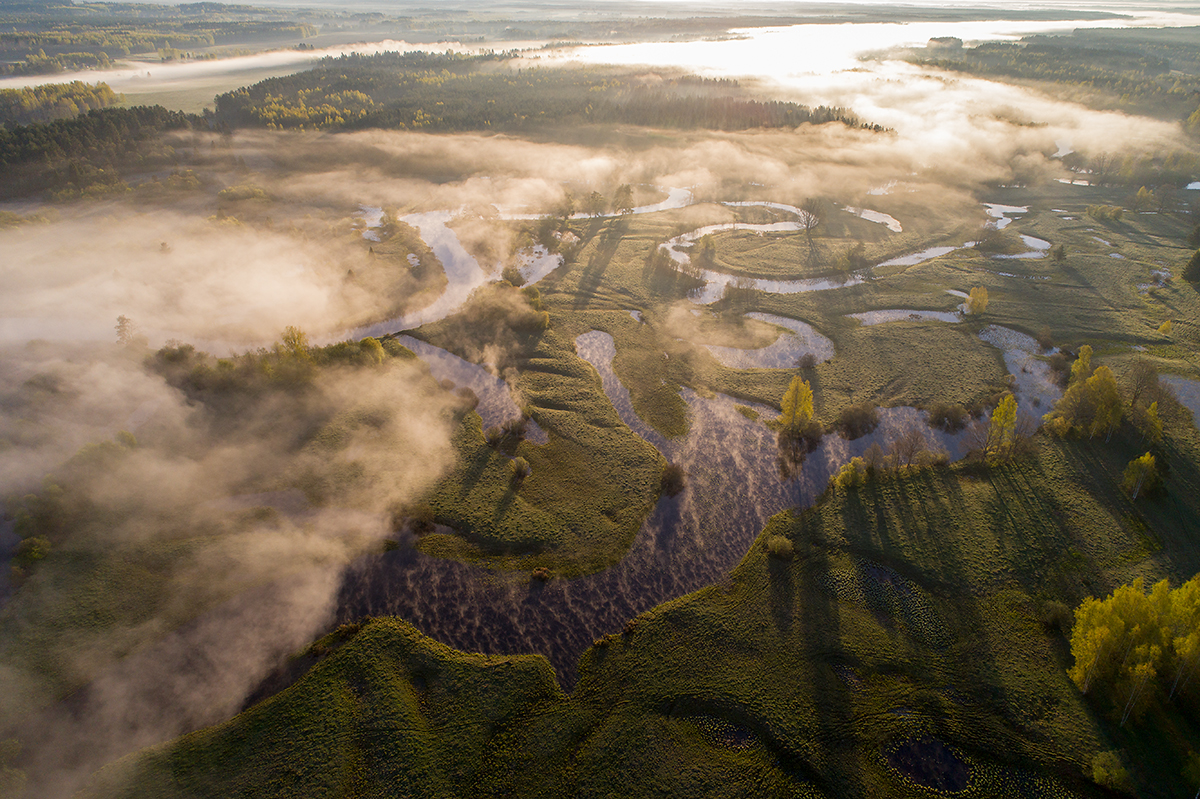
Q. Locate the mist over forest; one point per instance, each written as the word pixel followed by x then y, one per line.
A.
pixel 724 400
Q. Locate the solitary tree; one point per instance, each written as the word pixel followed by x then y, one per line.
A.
pixel 1166 197
pixel 797 405
pixel 623 199
pixel 909 448
pixel 567 208
pixel 1107 770
pixel 1143 199
pixel 1002 433
pixel 977 302
pixel 595 204
pixel 799 433
pixel 520 470
pixel 812 212
pixel 126 329
pixel 1142 380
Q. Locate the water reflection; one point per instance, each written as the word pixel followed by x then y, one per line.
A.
pixel 784 353
pixel 689 541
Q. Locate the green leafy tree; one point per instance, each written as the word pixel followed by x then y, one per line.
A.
pixel 1191 272
pixel 373 350
pixel 854 474
pixel 1191 770
pixel 1107 770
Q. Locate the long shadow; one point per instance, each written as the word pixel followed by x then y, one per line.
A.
pixel 922 506
pixel 817 634
pixel 474 471
pixel 606 247
pixel 783 595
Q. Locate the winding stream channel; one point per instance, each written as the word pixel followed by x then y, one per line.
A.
pixel 689 541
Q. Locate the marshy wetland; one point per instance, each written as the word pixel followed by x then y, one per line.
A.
pixel 712 437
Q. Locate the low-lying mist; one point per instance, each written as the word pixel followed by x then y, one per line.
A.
pixel 185 523
pixel 191 514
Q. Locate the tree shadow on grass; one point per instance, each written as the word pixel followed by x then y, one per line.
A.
pixel 599 259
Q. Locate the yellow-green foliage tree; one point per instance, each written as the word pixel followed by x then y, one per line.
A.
pixel 1082 367
pixel 797 405
pixel 1092 402
pixel 1150 424
pixel 1133 642
pixel 853 474
pixel 977 302
pixel 1141 475
pixel 1192 769
pixel 1002 433
pixel 1165 328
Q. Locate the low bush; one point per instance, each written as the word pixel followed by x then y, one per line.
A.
pixel 856 421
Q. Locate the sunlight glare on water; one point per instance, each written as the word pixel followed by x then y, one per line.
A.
pixel 784 52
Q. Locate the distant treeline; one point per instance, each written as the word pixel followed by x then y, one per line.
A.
pixel 88 150
pixel 1128 77
pixel 53 101
pixel 42 38
pixel 1176 170
pixel 448 92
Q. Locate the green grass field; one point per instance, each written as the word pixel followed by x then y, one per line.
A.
pixel 910 611
pixel 590 488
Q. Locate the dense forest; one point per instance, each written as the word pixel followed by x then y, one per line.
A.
pixel 53 101
pixel 1152 77
pixel 43 38
pixel 84 156
pixel 450 92
pixel 86 152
